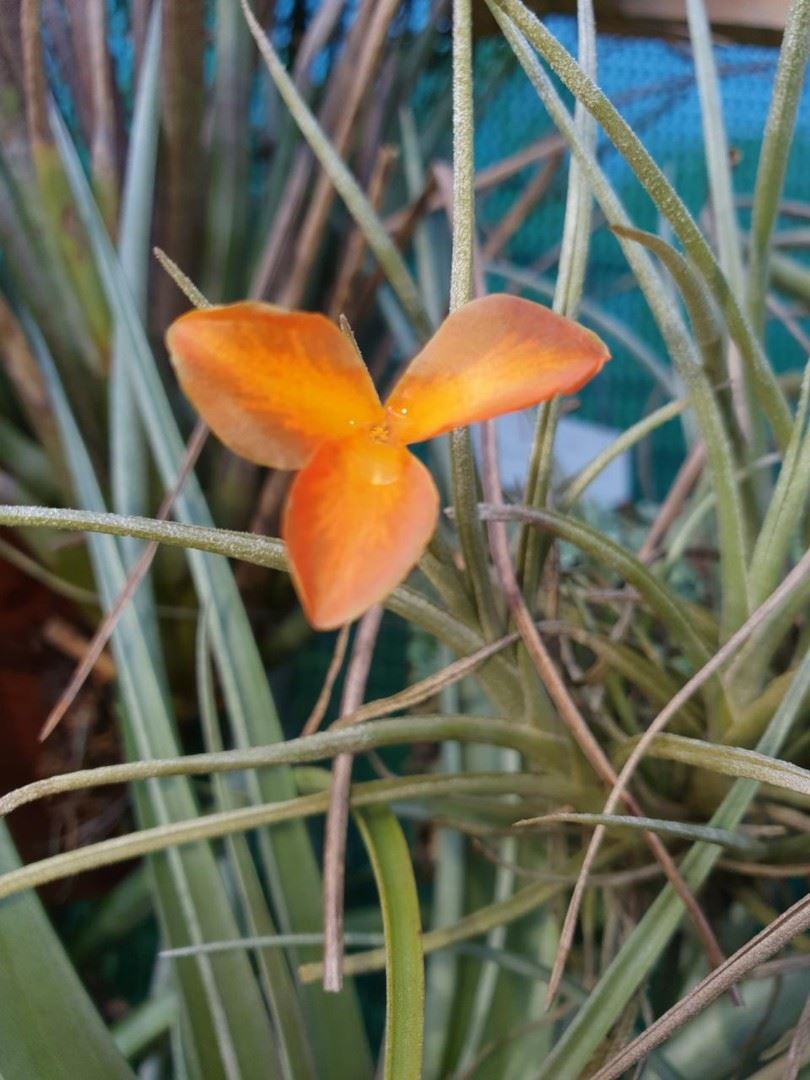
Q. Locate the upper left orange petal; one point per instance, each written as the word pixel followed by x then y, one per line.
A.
pixel 272 384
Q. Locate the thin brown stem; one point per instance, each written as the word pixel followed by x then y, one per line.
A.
pixel 315 718
pixel 337 815
pixel 139 571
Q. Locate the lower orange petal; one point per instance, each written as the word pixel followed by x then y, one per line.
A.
pixel 357 519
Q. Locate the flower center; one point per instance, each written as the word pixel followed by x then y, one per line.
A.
pixel 380 433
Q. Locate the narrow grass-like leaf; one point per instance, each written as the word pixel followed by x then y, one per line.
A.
pixel 657 295
pixel 788 505
pixel 684 530
pixel 462 463
pixel 774 937
pixel 576 488
pixel 566 301
pixel 547 752
pixel 182 106
pixel 57 200
pixel 730 761
pixel 225 274
pixel 25 460
pixel 703 314
pixel 668 607
pixel 683 830
pixel 732 533
pixel 146 1023
pixel 20 368
pixel 773 158
pixel 718 158
pixel 277 983
pixel 349 86
pixel 129 459
pixel 103 143
pixel 497 674
pixel 198 828
pixel 731 521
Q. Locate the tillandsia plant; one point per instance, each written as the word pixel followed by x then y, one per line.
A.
pixel 602 860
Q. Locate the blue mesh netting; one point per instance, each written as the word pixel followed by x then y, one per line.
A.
pixel 653 84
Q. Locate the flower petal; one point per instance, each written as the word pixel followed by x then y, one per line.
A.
pixel 357 519
pixel 272 384
pixel 492 356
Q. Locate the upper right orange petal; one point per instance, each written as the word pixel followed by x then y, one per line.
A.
pixel 490 357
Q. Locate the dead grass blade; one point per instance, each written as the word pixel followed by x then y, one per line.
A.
pixel 363 51
pixel 356 247
pixel 103 141
pixel 523 206
pixel 183 97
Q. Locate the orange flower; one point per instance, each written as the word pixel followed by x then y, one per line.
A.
pixel 287 389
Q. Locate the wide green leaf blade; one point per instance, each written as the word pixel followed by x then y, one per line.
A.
pixel 48 1025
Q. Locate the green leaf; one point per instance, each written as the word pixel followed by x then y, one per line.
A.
pixel 788 506
pixel 629 438
pixel 277 982
pixel 568 288
pixel 776 146
pixel 732 533
pixel 48 1025
pixel 191 831
pixel 146 1023
pixel 548 752
pixel 715 142
pixel 683 830
pixel 129 458
pixel 730 761
pixel 405 965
